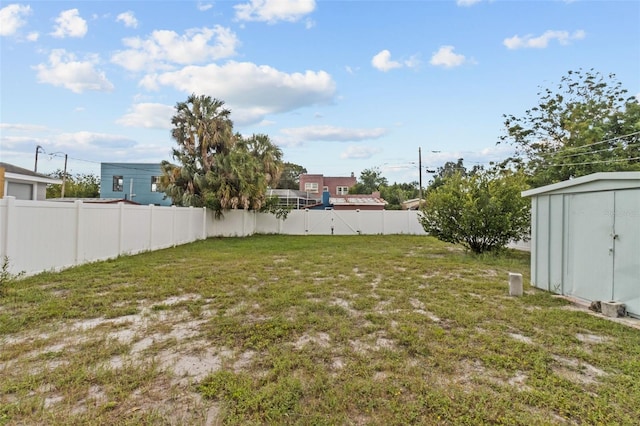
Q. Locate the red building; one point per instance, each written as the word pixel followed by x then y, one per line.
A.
pixel 317 184
pixel 338 189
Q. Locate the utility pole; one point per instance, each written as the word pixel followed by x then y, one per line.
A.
pixel 64 176
pixel 35 166
pixel 420 174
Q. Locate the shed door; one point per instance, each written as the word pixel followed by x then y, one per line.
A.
pixel 590 243
pixel 626 283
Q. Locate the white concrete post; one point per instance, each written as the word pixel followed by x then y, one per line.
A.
pixel 515 284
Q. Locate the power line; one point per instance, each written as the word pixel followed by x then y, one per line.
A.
pixel 617 160
pixel 601 142
pixel 561 155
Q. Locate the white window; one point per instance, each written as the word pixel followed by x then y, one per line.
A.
pixel 342 190
pixel 325 189
pixel 118 183
pixel 311 186
pixel 154 183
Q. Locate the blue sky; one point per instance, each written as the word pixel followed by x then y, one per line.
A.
pixel 340 86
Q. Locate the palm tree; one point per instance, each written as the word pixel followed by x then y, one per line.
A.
pixel 218 169
pixel 202 129
pixel 269 156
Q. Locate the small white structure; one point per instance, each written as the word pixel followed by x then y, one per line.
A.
pixel 585 238
pixel 24 184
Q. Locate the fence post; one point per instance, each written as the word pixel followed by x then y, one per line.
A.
pixel 120 227
pixel 7 229
pixel 174 210
pixel 204 223
pixel 151 212
pixel 78 246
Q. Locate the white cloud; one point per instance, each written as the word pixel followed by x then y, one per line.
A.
pixel 149 115
pixel 446 58
pixel 251 91
pixel 70 24
pixel 540 42
pixel 20 144
pixel 78 76
pixel 466 3
pixel 90 140
pixel 331 133
pixel 33 36
pixel 358 152
pixel 350 70
pixel 128 19
pixel 12 18
pixel 203 7
pixel 382 61
pixel 272 11
pixel 163 48
pixel 31 128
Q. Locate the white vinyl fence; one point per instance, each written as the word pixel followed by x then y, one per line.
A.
pixel 39 236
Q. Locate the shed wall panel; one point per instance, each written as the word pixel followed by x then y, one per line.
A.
pixel 556 240
pixel 626 286
pixel 590 262
pixel 542 234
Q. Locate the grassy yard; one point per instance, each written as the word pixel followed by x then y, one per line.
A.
pixel 308 330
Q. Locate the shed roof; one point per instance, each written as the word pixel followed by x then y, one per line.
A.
pixel 605 181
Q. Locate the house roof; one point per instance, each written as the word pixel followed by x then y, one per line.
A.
pixel 412 204
pixel 356 200
pixel 18 173
pixel 604 181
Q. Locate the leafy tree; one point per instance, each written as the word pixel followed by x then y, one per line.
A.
pixel 586 124
pixel 371 180
pixel 76 186
pixel 482 211
pixel 449 169
pixel 398 193
pixel 290 178
pixel 217 169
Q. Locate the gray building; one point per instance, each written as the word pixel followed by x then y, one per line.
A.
pixel 585 238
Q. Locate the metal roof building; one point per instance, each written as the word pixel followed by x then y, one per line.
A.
pixel 585 238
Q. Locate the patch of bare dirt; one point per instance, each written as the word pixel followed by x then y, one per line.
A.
pixel 591 338
pixel 520 338
pixel 320 339
pixel 577 371
pixel 167 337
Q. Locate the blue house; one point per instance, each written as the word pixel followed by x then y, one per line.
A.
pixel 136 182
